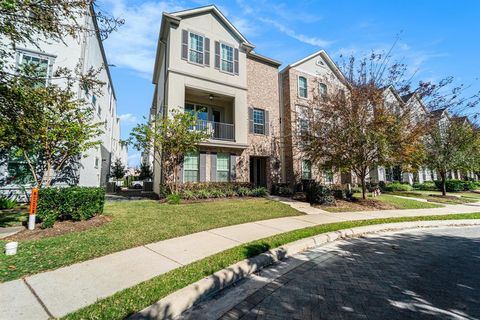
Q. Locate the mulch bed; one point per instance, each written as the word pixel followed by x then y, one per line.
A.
pixel 59 228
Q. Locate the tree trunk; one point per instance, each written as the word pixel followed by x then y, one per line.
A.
pixel 364 187
pixel 444 184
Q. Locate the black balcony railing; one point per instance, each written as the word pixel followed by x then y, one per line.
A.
pixel 217 130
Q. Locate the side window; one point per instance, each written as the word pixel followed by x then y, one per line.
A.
pixel 306 170
pixel 223 167
pixel 302 119
pixel 258 121
pixel 191 167
pixel 302 87
pixel 195 48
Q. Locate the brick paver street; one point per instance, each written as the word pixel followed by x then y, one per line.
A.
pixel 427 274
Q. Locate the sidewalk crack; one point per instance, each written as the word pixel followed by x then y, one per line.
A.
pixel 38 298
pixel 163 255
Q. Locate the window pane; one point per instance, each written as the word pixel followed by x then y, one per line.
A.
pixel 190 161
pixel 196 48
pixel 227 58
pixel 302 87
pixel 259 121
pixel 323 89
pixel 306 170
pixel 222 161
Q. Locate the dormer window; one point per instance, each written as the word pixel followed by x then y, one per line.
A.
pixel 302 87
pixel 226 58
pixel 195 48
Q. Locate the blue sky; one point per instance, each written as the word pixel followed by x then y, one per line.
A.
pixel 438 38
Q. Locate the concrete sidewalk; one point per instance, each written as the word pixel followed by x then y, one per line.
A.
pixel 58 292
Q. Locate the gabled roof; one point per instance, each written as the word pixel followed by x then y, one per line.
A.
pixel 214 10
pixel 395 93
pixel 406 97
pixel 437 114
pixel 326 57
pixel 413 95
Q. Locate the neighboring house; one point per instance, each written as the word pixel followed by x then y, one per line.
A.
pixel 205 65
pixel 87 52
pixel 302 85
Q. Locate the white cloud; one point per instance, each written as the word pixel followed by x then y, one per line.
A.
pixel 128 118
pixel 133 46
pixel 314 41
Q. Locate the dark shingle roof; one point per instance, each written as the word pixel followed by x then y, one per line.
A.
pixel 407 97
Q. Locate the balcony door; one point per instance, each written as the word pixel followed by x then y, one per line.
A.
pixel 258 171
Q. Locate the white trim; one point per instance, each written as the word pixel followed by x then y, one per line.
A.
pixel 188 48
pixel 233 57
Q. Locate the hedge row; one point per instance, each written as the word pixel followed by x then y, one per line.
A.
pixel 70 203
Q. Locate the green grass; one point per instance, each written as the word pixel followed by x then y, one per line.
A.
pixel 13 217
pixel 135 223
pixel 131 300
pixel 401 203
pixel 464 197
pixel 396 202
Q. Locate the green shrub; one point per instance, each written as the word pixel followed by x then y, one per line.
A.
pixel 426 186
pixel 7 202
pixel 259 192
pixel 282 189
pixel 319 194
pixel 173 198
pixel 470 185
pixel 69 203
pixel 452 185
pixel 342 193
pixel 188 195
pixel 397 186
pixel 244 192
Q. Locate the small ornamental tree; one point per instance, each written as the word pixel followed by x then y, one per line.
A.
pixel 118 169
pixel 451 146
pixel 170 138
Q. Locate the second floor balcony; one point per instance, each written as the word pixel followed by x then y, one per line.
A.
pixel 217 130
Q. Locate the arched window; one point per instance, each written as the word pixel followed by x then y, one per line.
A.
pixel 302 87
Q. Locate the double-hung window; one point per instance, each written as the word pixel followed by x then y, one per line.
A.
pixel 306 170
pixel 258 121
pixel 302 120
pixel 191 167
pixel 328 176
pixel 195 48
pixel 302 87
pixel 223 167
pixel 226 56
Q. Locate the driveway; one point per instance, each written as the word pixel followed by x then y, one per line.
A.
pixel 422 274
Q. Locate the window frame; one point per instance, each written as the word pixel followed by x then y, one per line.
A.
pixel 195 50
pixel 255 124
pixel 21 53
pixel 224 44
pixel 322 86
pixel 299 88
pixel 305 171
pixel 219 156
pixel 190 154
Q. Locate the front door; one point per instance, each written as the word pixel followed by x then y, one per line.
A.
pixel 258 171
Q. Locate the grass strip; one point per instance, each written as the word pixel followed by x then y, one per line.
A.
pixel 131 300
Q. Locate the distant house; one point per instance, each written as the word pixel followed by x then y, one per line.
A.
pixel 93 167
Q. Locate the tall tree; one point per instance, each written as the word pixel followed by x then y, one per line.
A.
pixel 170 138
pixel 355 128
pixel 451 145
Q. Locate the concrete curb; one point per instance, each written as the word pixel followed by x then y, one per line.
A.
pixel 178 302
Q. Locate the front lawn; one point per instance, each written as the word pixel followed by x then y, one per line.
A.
pixel 436 196
pixel 124 303
pixel 382 202
pixel 135 223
